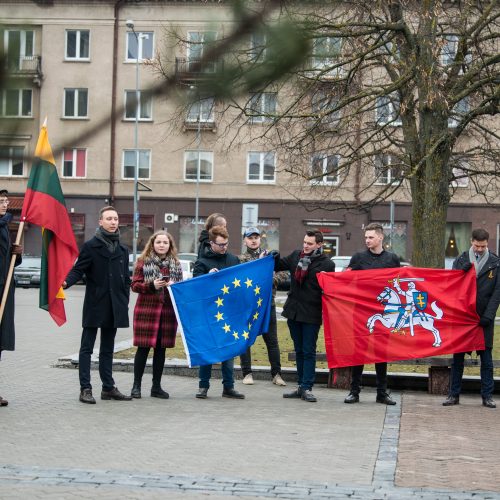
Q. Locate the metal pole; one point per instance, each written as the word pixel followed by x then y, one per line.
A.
pixel 136 143
pixel 197 204
pixel 391 234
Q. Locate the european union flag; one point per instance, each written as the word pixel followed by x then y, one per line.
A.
pixel 220 314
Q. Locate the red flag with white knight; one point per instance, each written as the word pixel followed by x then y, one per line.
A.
pixel 398 313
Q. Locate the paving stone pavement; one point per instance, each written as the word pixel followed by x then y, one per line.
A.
pixel 52 446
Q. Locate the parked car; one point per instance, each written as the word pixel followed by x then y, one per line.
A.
pixel 193 257
pixel 27 274
pixel 341 262
pixel 187 269
pixel 131 263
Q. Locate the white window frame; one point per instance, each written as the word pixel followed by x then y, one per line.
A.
pixel 449 50
pixel 320 62
pixel 9 160
pixel 20 99
pixel 463 182
pixel 195 45
pixel 22 48
pixel 192 155
pixel 203 109
pixel 461 107
pixel 258 47
pixel 262 158
pixel 76 115
pixel 145 104
pixel 142 152
pixel 328 179
pixel 262 107
pixel 74 152
pixel 321 104
pixel 391 116
pixel 78 47
pixel 141 36
pixel 381 162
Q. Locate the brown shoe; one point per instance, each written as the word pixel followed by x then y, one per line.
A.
pixel 115 394
pixel 3 402
pixel 86 396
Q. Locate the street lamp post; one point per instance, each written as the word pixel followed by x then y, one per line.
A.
pixel 198 167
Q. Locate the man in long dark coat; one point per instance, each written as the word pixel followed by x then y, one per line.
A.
pixel 7 249
pixel 104 262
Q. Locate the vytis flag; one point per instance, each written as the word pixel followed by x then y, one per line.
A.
pixel 44 206
pixel 220 314
pixel 397 314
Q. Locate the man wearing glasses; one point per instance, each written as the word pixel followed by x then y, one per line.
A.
pixel 212 259
pixel 7 249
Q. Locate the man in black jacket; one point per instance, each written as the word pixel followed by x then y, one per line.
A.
pixel 303 308
pixel 487 266
pixel 215 257
pixel 104 262
pixel 374 257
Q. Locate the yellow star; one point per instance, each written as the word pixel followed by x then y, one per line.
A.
pixel 256 316
pixel 225 289
pixel 245 335
pixel 249 326
pixel 248 282
pixel 227 328
pixel 257 290
pixel 235 335
pixel 259 302
pixel 219 302
pixel 236 283
pixel 219 316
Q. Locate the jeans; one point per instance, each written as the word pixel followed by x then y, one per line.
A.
pixel 381 379
pixel 105 357
pixel 304 336
pixel 227 367
pixel 457 371
pixel 273 349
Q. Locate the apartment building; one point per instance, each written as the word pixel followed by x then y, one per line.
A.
pixel 77 64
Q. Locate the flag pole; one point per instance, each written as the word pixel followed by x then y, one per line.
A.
pixel 11 271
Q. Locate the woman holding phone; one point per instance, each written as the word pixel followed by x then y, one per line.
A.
pixel 155 324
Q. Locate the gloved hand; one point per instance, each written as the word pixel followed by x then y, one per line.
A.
pixel 467 267
pixel 275 254
pixel 483 321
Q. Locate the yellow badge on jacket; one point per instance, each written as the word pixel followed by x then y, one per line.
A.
pixel 490 275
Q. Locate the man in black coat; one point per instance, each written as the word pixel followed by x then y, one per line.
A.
pixel 7 249
pixel 487 266
pixel 104 262
pixel 374 257
pixel 303 308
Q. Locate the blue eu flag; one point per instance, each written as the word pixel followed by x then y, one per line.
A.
pixel 220 314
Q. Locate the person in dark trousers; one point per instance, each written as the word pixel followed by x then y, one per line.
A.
pixel 104 262
pixel 155 324
pixel 486 265
pixel 374 257
pixel 214 258
pixel 7 249
pixel 251 238
pixel 303 308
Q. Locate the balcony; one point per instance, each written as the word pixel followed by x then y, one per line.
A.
pixel 203 125
pixel 25 67
pixel 189 69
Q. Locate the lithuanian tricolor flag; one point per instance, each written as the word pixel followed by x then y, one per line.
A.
pixel 44 206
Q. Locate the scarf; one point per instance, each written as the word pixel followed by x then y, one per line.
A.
pixel 304 263
pixel 4 230
pixel 155 268
pixel 111 240
pixel 479 263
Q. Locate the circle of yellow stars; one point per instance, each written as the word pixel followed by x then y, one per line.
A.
pixel 220 303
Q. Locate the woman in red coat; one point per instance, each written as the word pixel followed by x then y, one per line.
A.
pixel 154 318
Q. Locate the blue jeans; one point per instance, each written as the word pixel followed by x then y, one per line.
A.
pixel 205 373
pixel 457 371
pixel 304 336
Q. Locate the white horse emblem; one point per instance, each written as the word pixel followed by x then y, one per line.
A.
pixel 397 316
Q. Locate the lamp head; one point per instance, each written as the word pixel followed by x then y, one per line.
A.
pixel 129 24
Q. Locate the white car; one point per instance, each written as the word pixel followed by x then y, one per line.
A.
pixel 341 262
pixel 187 269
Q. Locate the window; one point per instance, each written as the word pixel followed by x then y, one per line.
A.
pixel 130 161
pixel 197 43
pixel 324 169
pixel 258 50
pixel 74 163
pixel 262 107
pixel 326 55
pixel 206 160
pixel 144 49
pixel 78 45
pixel 387 109
pixel 75 103
pixel 202 110
pixel 145 105
pixel 460 109
pixel 16 102
pixel 261 167
pixel 19 46
pixel 388 170
pixel 449 50
pixel 11 160
pixel 460 177
pixel 324 107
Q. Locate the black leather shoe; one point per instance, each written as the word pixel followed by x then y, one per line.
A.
pixel 231 393
pixel 136 391
pixel 202 393
pixel 309 396
pixel 385 399
pixel 158 392
pixel 452 400
pixel 297 393
pixel 351 398
pixel 86 396
pixel 489 403
pixel 115 394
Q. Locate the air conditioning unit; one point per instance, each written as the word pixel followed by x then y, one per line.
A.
pixel 169 218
